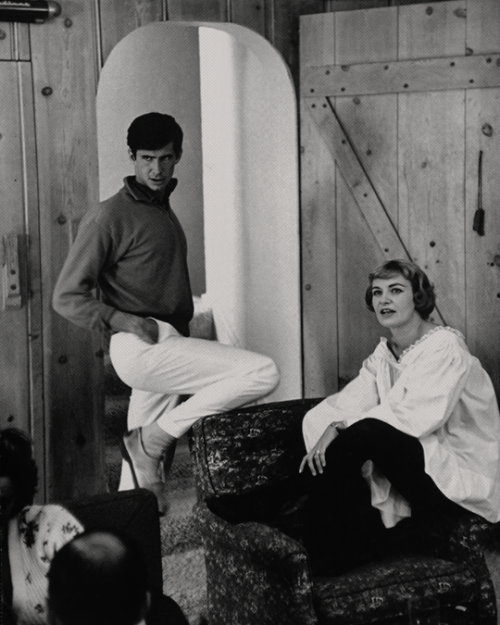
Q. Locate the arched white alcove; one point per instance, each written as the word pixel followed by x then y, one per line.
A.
pixel 238 178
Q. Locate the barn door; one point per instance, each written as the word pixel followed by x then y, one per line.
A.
pixel 399 105
pixel 21 380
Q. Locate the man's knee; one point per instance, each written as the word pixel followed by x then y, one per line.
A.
pixel 262 372
pixel 269 374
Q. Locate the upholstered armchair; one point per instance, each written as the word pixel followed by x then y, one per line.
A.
pixel 134 512
pixel 257 574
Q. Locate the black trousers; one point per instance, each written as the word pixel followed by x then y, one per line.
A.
pixel 341 528
pixel 164 611
pixel 337 523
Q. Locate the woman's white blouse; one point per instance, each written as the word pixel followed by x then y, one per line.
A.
pixel 439 393
pixel 35 535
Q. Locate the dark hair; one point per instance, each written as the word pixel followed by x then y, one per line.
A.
pixel 154 131
pixel 18 464
pixel 98 578
pixel 424 297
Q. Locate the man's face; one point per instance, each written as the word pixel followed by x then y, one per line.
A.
pixel 155 168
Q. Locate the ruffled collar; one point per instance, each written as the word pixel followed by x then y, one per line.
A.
pixel 420 340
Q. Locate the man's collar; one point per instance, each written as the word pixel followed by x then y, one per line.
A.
pixel 142 193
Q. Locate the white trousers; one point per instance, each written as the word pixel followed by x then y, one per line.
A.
pixel 217 377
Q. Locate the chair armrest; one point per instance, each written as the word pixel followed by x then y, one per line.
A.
pixel 461 539
pixel 277 564
pixel 270 545
pixel 465 540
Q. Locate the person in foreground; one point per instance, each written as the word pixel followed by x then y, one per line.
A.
pixel 417 430
pixel 100 578
pixel 30 534
pixel 133 248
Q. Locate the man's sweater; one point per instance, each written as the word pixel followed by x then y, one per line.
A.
pixel 132 247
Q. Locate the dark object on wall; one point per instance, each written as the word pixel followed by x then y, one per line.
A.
pixel 36 11
pixel 478 224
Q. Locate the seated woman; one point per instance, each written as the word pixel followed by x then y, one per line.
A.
pixel 417 430
pixel 30 534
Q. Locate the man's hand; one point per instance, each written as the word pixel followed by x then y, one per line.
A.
pixel 315 459
pixel 145 329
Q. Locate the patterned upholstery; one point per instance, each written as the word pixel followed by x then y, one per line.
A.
pixel 256 574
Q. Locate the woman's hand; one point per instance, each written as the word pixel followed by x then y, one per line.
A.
pixel 316 457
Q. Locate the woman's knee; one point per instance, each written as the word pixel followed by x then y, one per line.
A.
pixel 367 428
pixel 378 441
pixel 363 438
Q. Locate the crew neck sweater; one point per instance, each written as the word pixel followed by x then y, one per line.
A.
pixel 132 248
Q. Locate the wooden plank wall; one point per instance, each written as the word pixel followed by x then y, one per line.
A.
pixel 65 73
pixel 431 202
pixel 427 180
pixel 338 344
pixel 66 55
pixel 20 318
pixel 482 277
pixel 12 222
pixel 373 120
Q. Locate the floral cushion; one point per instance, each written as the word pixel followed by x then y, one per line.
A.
pixel 372 592
pixel 244 449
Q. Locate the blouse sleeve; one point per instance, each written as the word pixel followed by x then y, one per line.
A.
pixel 345 407
pixel 422 401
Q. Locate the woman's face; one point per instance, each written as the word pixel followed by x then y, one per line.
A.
pixel 392 301
pixel 7 500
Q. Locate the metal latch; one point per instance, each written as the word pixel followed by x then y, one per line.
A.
pixel 12 296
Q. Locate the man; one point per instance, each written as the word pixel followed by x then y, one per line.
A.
pixel 100 578
pixel 132 247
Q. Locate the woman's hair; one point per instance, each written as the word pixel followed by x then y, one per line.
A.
pixel 18 464
pixel 424 297
pixel 153 131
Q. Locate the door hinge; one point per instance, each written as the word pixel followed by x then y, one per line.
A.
pixel 12 245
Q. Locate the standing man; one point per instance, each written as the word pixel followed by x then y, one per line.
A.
pixel 133 249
